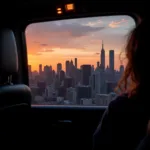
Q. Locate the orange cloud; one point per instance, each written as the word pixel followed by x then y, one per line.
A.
pixel 116 24
pixel 43 44
pixel 48 50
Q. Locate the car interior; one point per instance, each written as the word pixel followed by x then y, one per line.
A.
pixel 46 126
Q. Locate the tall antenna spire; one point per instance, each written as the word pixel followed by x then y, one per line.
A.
pixel 102 44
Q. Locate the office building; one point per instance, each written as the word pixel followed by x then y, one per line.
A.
pixel 111 60
pixel 85 74
pixel 59 68
pixel 76 63
pixel 102 57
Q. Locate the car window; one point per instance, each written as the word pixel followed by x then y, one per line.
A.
pixel 77 61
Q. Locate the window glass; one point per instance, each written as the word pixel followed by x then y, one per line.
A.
pixel 77 61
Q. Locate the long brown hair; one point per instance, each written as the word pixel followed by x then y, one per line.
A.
pixel 134 74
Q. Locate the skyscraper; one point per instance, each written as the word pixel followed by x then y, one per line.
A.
pixel 121 69
pixel 67 67
pixel 59 68
pixel 53 74
pixel 68 82
pixel 50 68
pixel 92 68
pixel 76 63
pixel 30 71
pixel 71 69
pixel 61 75
pixel 98 64
pixel 29 68
pixel 111 60
pixel 85 74
pixel 83 92
pixel 47 74
pixel 40 69
pixel 71 62
pixel 102 56
pixel 46 69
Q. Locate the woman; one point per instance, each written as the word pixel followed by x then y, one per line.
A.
pixel 125 121
pixel 145 143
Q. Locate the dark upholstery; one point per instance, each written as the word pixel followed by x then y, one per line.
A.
pixel 8 52
pixel 10 94
pixel 15 100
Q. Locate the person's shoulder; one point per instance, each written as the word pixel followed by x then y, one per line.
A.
pixel 123 98
pixel 121 102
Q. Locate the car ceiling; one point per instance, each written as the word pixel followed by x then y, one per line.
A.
pixel 28 11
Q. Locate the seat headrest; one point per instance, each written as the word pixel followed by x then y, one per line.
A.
pixel 8 52
pixel 10 96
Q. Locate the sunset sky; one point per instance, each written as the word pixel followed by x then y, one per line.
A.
pixel 49 43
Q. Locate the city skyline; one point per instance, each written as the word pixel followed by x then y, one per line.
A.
pixel 73 86
pixel 74 62
pixel 46 46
